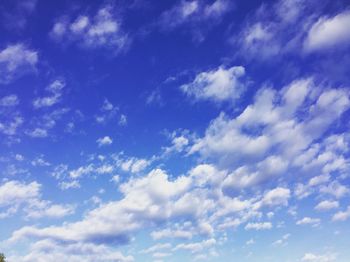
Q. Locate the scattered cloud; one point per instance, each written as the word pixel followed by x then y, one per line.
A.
pixel 16 60
pixel 104 141
pixel 55 90
pixel 102 30
pixel 217 85
pixel 309 221
pixel 200 15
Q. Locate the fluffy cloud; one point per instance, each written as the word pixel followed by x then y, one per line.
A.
pixel 218 85
pixel 328 33
pixel 15 194
pixel 104 141
pixel 101 30
pixel 145 201
pixel 276 197
pixel 327 205
pixel 16 60
pixel 132 164
pixel 286 124
pixel 342 215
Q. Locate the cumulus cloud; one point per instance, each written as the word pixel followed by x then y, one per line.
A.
pixel 27 196
pixel 15 60
pixel 329 32
pixel 143 202
pixel 131 164
pixel 275 197
pixel 101 30
pixel 218 85
pixel 104 141
pixel 327 205
pixel 286 124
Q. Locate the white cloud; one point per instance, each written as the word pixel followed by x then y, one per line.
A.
pixel 49 250
pixel 282 241
pixel 218 85
pixel 196 246
pixel 55 90
pixel 310 257
pixel 104 141
pixel 270 134
pixel 327 205
pixel 131 164
pixel 52 211
pixel 342 215
pixel 258 226
pixel 101 30
pixel 37 133
pixel 9 101
pixel 202 15
pixel 10 127
pixel 83 170
pixel 156 247
pixel 14 192
pixel 123 121
pixel 275 197
pixel 329 33
pixel 168 233
pixel 15 60
pixel 336 189
pixel 309 221
pixel 64 185
pixel 145 200
pixel 16 196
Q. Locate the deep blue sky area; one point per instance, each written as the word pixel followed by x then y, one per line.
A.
pixel 184 130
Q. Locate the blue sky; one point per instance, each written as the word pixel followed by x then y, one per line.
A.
pixel 193 130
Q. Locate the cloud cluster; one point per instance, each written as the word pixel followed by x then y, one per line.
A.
pixel 196 14
pixel 15 195
pixel 101 30
pixel 15 60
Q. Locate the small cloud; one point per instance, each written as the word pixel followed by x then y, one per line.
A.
pixel 55 90
pixel 123 120
pixel 217 85
pixel 104 141
pixel 309 221
pixel 258 226
pixel 9 101
pixel 103 29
